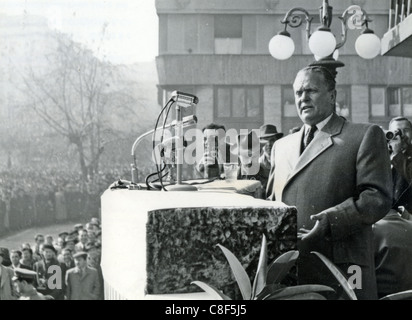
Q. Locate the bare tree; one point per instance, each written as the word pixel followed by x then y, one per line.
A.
pixel 76 97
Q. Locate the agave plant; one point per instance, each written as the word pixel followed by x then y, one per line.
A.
pixel 267 283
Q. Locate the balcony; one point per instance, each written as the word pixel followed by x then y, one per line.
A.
pixel 398 40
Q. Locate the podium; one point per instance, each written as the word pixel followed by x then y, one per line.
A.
pixel 155 242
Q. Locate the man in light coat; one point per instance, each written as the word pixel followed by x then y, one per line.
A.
pixel 6 284
pixel 338 176
pixel 82 282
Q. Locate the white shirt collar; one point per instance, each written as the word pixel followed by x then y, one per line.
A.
pixel 319 125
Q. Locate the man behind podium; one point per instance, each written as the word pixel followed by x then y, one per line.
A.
pixel 337 174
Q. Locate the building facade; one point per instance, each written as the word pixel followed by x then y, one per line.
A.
pixel 218 50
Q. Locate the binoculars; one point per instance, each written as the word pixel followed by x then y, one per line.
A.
pixel 390 135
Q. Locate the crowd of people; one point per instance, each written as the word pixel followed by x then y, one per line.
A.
pixel 66 268
pixel 37 197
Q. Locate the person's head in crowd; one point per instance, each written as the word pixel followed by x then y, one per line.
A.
pixel 83 236
pixel 80 260
pixel 25 245
pixel 95 220
pixel 248 149
pixel 315 94
pixel 27 255
pixel 70 243
pixel 6 256
pixel 78 227
pixel 67 255
pixel 91 236
pixel 99 236
pixel 268 136
pixel 49 239
pixel 49 252
pixel 404 142
pixel 89 228
pixel 39 239
pixel 62 238
pixel 15 256
pixel 24 280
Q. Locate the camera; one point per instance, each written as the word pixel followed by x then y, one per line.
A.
pixel 390 135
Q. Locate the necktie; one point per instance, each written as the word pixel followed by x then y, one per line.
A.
pixel 309 136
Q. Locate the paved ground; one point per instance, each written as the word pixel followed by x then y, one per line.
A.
pixel 14 240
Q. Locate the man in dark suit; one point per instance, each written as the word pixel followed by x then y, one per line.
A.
pixel 393 254
pixel 338 176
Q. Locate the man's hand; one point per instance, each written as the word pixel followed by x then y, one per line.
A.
pixel 320 232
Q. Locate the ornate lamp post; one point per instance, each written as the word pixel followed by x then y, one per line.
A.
pixel 322 42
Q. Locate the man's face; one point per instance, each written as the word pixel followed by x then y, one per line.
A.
pixel 48 254
pixel 26 255
pixel 83 237
pixel 14 257
pixel 40 240
pixel 70 245
pixel 49 240
pixel 67 257
pixel 80 262
pixel 314 102
pixel 406 129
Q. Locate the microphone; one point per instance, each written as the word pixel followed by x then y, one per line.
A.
pixel 186 121
pixel 184 100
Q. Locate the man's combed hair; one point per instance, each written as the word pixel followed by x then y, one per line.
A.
pixel 327 74
pixel 214 126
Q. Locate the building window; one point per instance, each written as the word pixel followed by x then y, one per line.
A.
pixel 239 106
pixel 390 102
pixel 228 34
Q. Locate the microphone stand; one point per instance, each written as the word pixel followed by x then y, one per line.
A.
pixel 179 186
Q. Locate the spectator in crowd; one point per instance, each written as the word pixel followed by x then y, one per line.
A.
pixel 49 240
pixel 39 241
pixel 15 256
pixel 268 135
pixel 216 151
pixel 70 243
pixel 24 281
pixel 6 285
pixel 82 282
pixel 49 268
pixel 59 245
pixel 67 259
pixel 78 227
pixel 400 148
pixel 83 239
pixel 393 254
pixel 27 260
pixel 337 174
pixel 26 245
pixel 248 149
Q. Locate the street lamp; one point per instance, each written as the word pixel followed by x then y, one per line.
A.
pixel 322 42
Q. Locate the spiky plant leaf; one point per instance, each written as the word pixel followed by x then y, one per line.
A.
pixel 239 272
pixel 403 295
pixel 215 293
pixel 305 296
pixel 338 275
pixel 297 290
pixel 279 268
pixel 267 290
pixel 262 269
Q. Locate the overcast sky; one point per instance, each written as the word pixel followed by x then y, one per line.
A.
pixel 131 34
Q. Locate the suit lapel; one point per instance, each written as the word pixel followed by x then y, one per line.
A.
pixel 321 142
pixel 293 149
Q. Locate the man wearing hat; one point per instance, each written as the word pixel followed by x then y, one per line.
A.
pixel 49 274
pixel 24 280
pixel 268 135
pixel 82 282
pixel 6 275
pixel 338 176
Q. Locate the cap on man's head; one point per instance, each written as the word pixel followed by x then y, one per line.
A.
pixel 24 274
pixel 80 254
pixel 78 226
pixel 268 132
pixel 71 238
pixel 63 234
pixel 50 247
